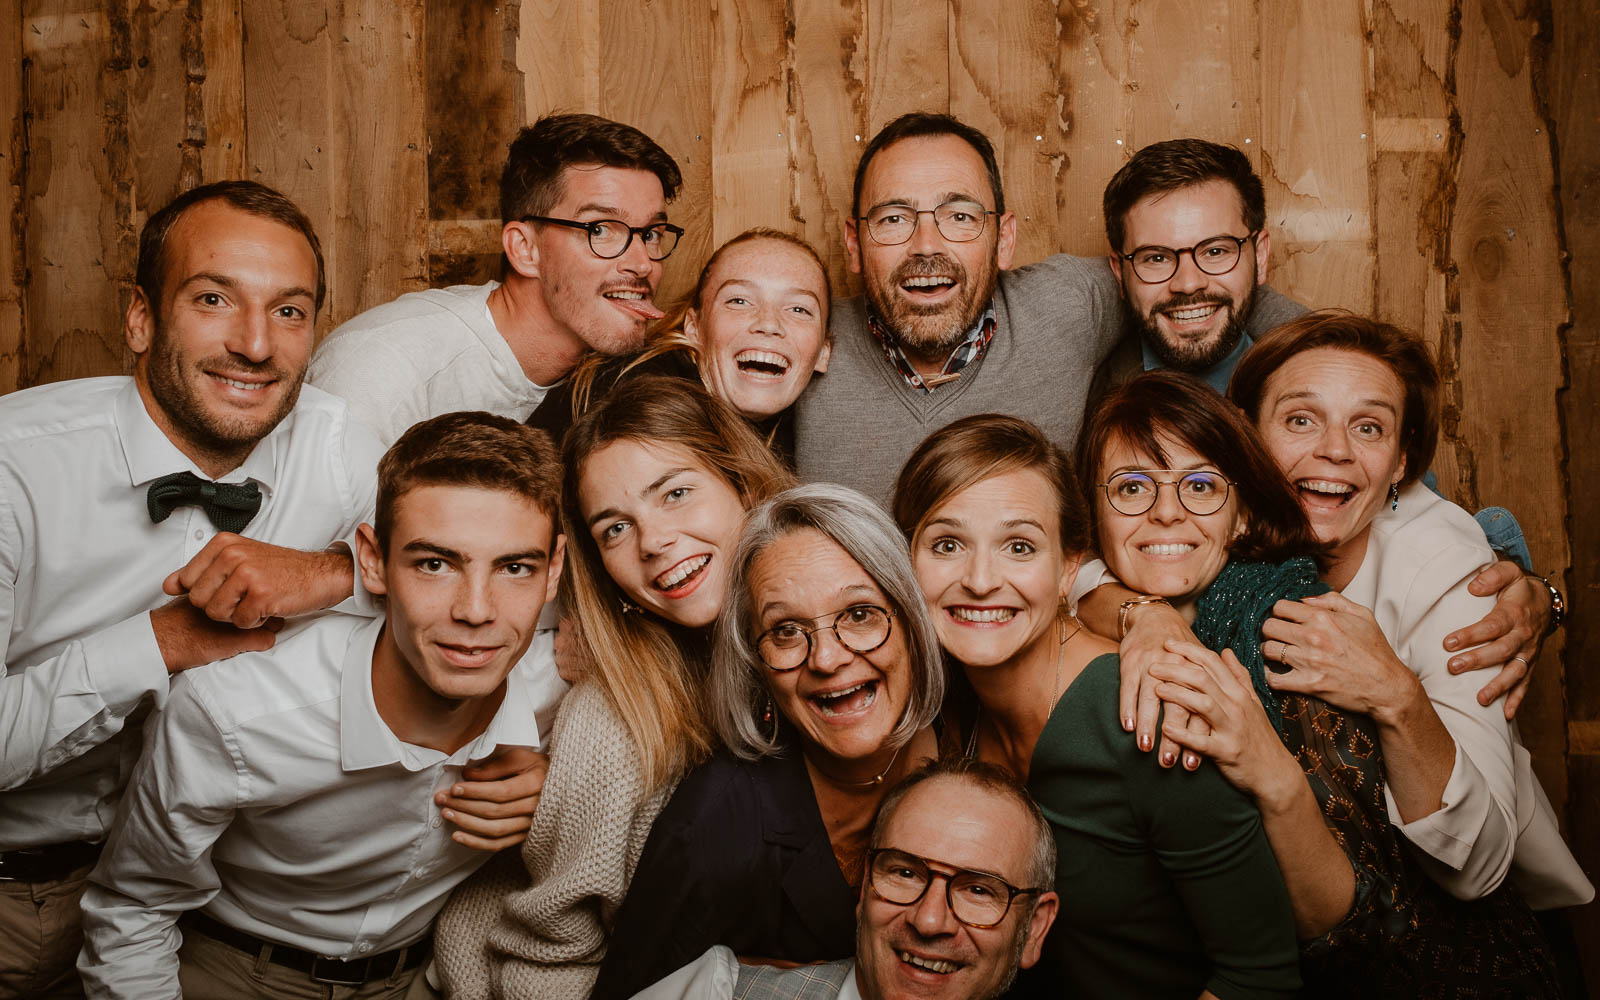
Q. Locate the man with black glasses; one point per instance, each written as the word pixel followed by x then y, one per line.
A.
pixel 957 897
pixel 583 207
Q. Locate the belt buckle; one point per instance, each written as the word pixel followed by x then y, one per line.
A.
pixel 339 972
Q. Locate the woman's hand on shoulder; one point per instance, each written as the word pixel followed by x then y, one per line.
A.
pixel 1508 637
pixel 1240 738
pixel 492 806
pixel 1336 651
pixel 571 664
pixel 1150 629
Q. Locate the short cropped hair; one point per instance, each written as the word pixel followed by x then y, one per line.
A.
pixel 990 778
pixel 470 448
pixel 867 535
pixel 532 181
pixel 247 196
pixel 1179 163
pixel 1406 355
pixel 927 123
pixel 1167 403
pixel 976 448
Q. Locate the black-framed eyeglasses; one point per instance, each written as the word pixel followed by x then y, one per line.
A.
pixel 977 899
pixel 1218 255
pixel 1134 493
pixel 610 238
pixel 957 221
pixel 860 628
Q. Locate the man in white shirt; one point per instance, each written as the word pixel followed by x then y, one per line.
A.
pixel 959 895
pixel 285 806
pixel 583 206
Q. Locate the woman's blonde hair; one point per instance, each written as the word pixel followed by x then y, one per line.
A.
pixel 667 335
pixel 635 657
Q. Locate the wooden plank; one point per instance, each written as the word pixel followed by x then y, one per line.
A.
pixel 558 51
pixel 381 170
pixel 1095 108
pixel 908 65
pixel 289 120
pixel 750 178
pixel 222 144
pixel 1002 81
pixel 1504 243
pixel 157 82
pixel 13 234
pixel 1582 835
pixel 79 191
pixel 1316 143
pixel 471 62
pixel 827 117
pixel 654 48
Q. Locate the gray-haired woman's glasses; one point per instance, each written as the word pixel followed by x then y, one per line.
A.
pixel 861 628
pixel 1134 493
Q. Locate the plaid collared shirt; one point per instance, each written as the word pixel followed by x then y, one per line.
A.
pixel 969 350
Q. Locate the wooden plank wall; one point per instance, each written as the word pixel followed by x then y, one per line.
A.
pixel 1435 161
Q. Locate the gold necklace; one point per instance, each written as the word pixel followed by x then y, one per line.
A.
pixel 870 782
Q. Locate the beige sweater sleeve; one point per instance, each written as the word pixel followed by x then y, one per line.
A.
pixel 539 928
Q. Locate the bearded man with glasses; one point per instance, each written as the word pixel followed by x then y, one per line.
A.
pixel 955 900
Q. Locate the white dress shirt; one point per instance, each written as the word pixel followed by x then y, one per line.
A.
pixel 274 796
pixel 81 565
pixel 715 976
pixel 1495 819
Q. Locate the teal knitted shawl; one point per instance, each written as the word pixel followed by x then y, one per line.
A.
pixel 1233 609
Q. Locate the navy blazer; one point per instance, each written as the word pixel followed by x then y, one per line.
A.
pixel 739 857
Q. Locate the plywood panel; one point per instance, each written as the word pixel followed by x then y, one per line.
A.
pixel 1316 144
pixel 908 43
pixel 827 123
pixel 750 177
pixel 380 174
pixel 13 222
pixel 658 79
pixel 1002 80
pixel 79 191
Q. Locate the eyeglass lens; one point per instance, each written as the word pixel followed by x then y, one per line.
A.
pixel 611 238
pixel 958 222
pixel 977 899
pixel 861 628
pixel 1215 256
pixel 1136 492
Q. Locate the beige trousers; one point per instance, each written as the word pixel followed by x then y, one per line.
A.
pixel 211 970
pixel 40 935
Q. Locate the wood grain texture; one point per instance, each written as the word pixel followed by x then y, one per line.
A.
pixel 79 190
pixel 221 55
pixel 908 67
pixel 13 220
pixel 827 124
pixel 662 85
pixel 1003 62
pixel 559 54
pixel 1095 107
pixel 158 87
pixel 751 182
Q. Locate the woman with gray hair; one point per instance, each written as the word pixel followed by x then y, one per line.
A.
pixel 825 681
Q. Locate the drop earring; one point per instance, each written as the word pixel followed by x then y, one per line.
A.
pixel 1394 496
pixel 769 718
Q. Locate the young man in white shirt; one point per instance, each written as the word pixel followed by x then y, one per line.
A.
pixel 584 231
pixel 284 808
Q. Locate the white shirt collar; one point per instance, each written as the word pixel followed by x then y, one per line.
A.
pixel 849 990
pixel 150 454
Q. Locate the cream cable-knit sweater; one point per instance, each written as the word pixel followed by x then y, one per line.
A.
pixel 538 928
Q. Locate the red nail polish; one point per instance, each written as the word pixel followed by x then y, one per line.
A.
pixel 1166 760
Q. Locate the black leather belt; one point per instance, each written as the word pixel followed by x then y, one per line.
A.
pixel 332 971
pixel 46 864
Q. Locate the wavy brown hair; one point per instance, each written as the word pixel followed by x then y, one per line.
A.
pixel 638 659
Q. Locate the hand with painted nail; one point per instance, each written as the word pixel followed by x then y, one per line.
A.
pixel 1508 637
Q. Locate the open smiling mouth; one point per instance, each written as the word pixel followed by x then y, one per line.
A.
pixel 762 364
pixel 981 616
pixel 1167 548
pixel 935 965
pixel 682 578
pixel 1325 492
pixel 927 284
pixel 1193 314
pixel 847 701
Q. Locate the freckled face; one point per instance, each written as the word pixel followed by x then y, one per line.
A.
pixel 664 524
pixel 1331 419
pixel 991 565
pixel 762 324
pixel 1165 551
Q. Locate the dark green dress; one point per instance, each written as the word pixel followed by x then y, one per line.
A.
pixel 1167 883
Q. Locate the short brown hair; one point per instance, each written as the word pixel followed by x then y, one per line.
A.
pixel 247 196
pixel 532 181
pixel 973 449
pixel 920 124
pixel 474 449
pixel 1406 355
pixel 1179 163
pixel 1182 407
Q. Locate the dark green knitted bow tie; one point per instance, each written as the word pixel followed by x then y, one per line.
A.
pixel 230 506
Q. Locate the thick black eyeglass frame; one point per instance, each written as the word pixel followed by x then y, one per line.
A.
pixel 1227 484
pixel 676 231
pixel 918 213
pixel 888 613
pixel 949 884
pixel 1177 255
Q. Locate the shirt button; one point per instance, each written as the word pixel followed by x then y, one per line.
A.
pixel 435 823
pixel 364 948
pixel 199 534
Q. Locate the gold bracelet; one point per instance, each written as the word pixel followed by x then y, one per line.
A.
pixel 1135 602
